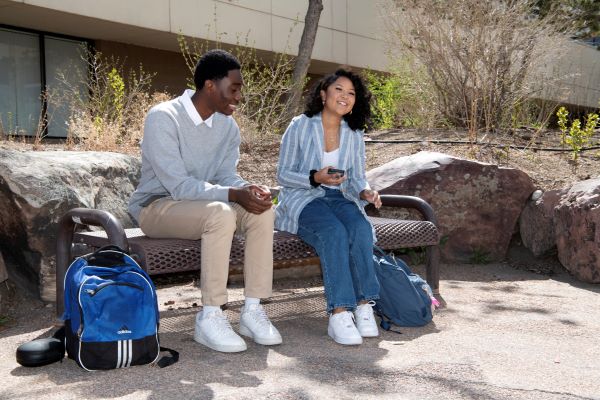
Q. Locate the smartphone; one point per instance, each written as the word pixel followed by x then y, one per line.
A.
pixel 336 171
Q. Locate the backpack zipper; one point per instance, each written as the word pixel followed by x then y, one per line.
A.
pixel 93 292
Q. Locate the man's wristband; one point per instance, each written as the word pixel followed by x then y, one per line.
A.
pixel 311 178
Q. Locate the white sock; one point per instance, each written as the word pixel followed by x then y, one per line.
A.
pixel 207 309
pixel 251 300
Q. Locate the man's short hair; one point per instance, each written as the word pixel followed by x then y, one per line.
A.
pixel 214 65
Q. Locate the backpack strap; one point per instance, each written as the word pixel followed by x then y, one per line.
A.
pixel 165 361
pixel 378 251
pixel 386 323
pixel 107 256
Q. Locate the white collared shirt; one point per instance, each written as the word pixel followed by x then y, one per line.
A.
pixel 186 99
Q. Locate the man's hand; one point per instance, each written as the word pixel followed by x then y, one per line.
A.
pixel 372 196
pixel 255 199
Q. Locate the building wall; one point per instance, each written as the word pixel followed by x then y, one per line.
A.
pixel 575 78
pixel 349 30
pixel 170 77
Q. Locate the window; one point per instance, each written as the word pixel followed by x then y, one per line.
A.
pixel 20 82
pixel 63 60
pixel 29 62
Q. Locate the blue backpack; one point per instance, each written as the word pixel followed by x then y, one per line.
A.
pixel 111 311
pixel 405 298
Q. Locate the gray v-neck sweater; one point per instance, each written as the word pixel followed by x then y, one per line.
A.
pixel 186 161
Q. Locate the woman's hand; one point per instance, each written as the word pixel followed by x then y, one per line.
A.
pixel 325 178
pixel 372 196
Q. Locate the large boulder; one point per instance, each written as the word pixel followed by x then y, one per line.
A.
pixel 477 204
pixel 37 188
pixel 577 230
pixel 536 223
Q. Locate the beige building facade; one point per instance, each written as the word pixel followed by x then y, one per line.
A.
pixel 575 79
pixel 349 30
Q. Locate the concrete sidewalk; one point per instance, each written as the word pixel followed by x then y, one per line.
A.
pixel 505 334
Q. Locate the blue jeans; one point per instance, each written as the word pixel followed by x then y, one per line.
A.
pixel 343 239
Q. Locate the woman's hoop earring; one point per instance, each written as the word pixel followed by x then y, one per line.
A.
pixel 350 113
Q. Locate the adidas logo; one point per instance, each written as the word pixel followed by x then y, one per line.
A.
pixel 124 330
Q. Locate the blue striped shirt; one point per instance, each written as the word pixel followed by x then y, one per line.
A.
pixel 301 151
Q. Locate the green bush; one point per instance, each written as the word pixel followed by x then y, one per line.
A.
pixel 403 97
pixel 576 137
pixel 387 92
pixel 106 102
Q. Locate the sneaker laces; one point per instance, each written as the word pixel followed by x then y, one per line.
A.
pixel 220 322
pixel 345 319
pixel 363 312
pixel 258 313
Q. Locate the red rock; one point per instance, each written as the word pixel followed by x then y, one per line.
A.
pixel 536 223
pixel 477 204
pixel 577 230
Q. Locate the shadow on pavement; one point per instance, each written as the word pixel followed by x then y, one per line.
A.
pixel 307 351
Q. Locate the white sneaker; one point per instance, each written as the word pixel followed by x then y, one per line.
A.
pixel 342 329
pixel 214 330
pixel 254 323
pixel 365 320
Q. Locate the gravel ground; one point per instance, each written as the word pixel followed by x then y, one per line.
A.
pixel 504 334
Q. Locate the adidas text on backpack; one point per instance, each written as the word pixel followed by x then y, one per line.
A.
pixel 111 311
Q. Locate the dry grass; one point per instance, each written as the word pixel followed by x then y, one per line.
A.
pixel 86 133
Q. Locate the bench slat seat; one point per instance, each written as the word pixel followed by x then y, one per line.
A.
pixel 161 256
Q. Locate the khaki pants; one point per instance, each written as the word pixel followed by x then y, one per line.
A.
pixel 215 222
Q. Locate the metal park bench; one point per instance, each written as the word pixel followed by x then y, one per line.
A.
pixel 162 256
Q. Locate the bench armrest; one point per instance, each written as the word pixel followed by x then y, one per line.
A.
pixel 64 241
pixel 401 201
pixel 432 252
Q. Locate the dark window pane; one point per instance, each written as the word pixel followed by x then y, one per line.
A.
pixel 20 82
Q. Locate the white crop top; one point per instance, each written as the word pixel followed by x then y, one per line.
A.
pixel 331 159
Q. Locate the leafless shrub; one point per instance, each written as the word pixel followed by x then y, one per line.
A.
pixel 480 55
pixel 107 104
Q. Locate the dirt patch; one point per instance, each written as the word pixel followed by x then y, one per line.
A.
pixel 548 169
pixel 16 304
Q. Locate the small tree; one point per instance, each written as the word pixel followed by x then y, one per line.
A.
pixel 305 48
pixel 576 137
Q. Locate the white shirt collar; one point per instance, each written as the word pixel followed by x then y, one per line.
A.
pixel 186 99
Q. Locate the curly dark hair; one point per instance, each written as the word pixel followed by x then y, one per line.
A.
pixel 214 65
pixel 361 112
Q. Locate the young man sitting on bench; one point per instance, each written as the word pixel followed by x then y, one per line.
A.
pixel 190 189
